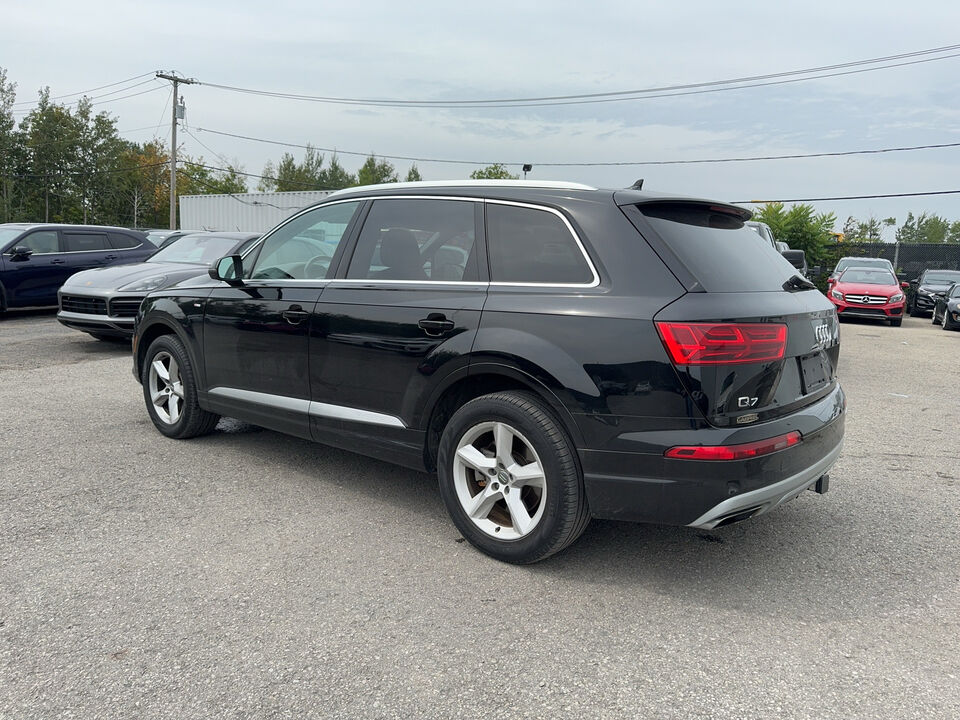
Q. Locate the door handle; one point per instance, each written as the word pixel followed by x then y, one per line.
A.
pixel 436 324
pixel 295 315
pixel 109 257
pixel 57 261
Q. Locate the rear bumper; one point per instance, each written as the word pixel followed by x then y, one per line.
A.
pixel 647 487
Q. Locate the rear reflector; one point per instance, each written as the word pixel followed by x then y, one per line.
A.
pixel 734 452
pixel 723 343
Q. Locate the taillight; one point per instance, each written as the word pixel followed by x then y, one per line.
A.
pixel 734 452
pixel 723 343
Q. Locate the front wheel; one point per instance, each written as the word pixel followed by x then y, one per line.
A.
pixel 510 478
pixel 170 391
pixel 896 322
pixel 948 323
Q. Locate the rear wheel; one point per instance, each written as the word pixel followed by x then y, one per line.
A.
pixel 510 478
pixel 170 391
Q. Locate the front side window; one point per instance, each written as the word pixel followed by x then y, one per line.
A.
pixel 41 242
pixel 303 248
pixel 417 239
pixel 528 245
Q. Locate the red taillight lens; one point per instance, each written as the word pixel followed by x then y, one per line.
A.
pixel 734 452
pixel 723 343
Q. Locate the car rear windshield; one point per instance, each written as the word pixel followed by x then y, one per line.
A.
pixel 717 247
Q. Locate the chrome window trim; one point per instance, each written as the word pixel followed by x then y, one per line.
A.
pixel 308 407
pixel 367 281
pixel 583 251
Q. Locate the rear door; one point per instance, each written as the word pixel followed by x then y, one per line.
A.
pixel 750 340
pixel 397 324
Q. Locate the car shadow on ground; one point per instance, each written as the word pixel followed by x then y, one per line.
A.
pixel 816 546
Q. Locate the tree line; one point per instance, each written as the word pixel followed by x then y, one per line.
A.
pixel 68 164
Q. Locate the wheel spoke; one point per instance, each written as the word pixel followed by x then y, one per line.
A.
pixel 475 459
pixel 503 440
pixel 529 474
pixel 173 408
pixel 158 398
pixel 481 504
pixel 174 371
pixel 160 369
pixel 177 388
pixel 518 513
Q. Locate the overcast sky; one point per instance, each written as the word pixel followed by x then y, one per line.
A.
pixel 466 50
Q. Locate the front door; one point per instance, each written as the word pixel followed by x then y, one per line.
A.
pixel 34 278
pixel 255 336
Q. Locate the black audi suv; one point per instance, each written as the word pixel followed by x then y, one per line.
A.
pixel 553 351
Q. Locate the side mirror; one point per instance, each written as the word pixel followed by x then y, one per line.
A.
pixel 905 285
pixel 20 252
pixel 228 269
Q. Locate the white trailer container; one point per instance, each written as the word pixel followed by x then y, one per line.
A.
pixel 244 212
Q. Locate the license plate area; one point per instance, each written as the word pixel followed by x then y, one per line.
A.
pixel 813 371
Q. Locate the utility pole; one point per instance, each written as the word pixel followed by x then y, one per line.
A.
pixel 173 143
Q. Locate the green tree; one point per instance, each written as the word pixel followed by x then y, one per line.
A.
pixel 289 175
pixel 800 227
pixel 334 177
pixel 926 228
pixel 374 171
pixel 413 175
pixel 493 172
pixel 9 145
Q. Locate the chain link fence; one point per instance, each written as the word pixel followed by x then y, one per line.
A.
pixel 910 259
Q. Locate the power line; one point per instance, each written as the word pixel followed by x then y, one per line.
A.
pixel 618 163
pixel 825 71
pixel 84 92
pixel 97 101
pixel 71 173
pixel 849 197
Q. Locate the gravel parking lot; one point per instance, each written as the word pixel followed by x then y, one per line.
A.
pixel 248 574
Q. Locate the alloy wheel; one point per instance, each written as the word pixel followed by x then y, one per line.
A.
pixel 166 387
pixel 499 481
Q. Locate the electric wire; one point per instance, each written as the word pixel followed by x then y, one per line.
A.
pixel 821 72
pixel 84 92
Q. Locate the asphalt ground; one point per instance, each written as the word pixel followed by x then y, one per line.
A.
pixel 248 574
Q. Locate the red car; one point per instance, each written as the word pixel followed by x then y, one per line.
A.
pixel 870 293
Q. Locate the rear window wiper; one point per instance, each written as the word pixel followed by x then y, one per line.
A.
pixel 797 283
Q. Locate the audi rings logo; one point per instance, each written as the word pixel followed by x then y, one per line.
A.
pixel 823 334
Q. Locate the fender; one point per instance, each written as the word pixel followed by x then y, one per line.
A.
pixel 182 316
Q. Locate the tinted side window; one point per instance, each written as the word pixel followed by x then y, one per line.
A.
pixel 303 248
pixel 81 242
pixel 42 241
pixel 120 241
pixel 417 239
pixel 528 245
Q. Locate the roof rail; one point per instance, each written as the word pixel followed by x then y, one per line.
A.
pixel 554 184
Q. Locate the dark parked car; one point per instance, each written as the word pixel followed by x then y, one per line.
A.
pixel 553 351
pixel 924 289
pixel 36 259
pixel 798 258
pixel 946 308
pixel 162 238
pixel 104 302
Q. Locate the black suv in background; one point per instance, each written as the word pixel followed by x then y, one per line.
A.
pixel 35 259
pixel 922 294
pixel 555 352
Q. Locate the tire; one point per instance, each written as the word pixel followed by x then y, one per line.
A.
pixel 934 320
pixel 547 509
pixel 914 312
pixel 896 322
pixel 172 400
pixel 948 323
